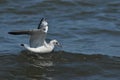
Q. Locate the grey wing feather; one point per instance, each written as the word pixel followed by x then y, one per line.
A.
pixel 37 38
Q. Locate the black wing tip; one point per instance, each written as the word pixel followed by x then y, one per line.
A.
pixel 42 19
pixel 10 32
pixel 13 33
pixel 18 33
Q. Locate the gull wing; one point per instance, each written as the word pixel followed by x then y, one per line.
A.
pixel 37 38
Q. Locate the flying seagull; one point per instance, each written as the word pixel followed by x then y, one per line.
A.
pixel 37 38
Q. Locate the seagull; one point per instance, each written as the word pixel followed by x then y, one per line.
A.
pixel 37 42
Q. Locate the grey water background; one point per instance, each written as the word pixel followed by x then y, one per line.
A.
pixel 89 31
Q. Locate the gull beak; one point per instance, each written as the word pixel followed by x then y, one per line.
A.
pixel 60 45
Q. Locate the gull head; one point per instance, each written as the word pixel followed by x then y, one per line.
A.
pixel 55 43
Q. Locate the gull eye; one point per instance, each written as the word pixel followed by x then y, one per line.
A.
pixel 57 43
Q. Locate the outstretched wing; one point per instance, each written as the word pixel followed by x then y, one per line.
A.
pixel 37 36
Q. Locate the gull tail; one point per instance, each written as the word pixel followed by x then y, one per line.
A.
pixel 19 32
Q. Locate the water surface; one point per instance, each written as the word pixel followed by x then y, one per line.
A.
pixel 89 31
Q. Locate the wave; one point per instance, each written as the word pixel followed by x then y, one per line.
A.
pixel 62 55
pixel 57 63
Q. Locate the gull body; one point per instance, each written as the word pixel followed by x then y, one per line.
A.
pixel 46 48
pixel 37 38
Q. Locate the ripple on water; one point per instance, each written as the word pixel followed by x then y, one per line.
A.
pixel 69 65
